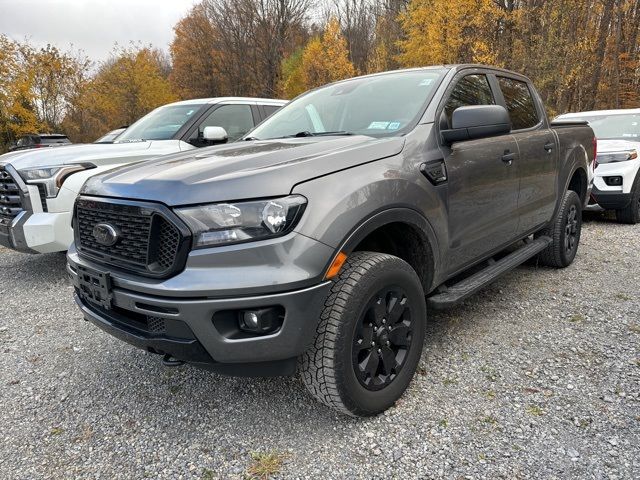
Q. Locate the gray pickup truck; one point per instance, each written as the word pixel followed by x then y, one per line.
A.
pixel 320 241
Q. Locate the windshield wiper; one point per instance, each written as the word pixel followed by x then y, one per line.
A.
pixel 337 132
pixel 307 133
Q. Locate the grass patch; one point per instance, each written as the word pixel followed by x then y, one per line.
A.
pixel 634 327
pixel 444 423
pixel 449 381
pixel 490 394
pixel 622 296
pixel 207 474
pixel 535 410
pixel 577 318
pixel 489 420
pixel 55 431
pixel 490 373
pixel 264 465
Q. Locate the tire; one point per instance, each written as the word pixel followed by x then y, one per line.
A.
pixel 334 369
pixel 631 214
pixel 564 232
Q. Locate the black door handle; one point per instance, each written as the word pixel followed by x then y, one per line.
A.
pixel 549 146
pixel 508 157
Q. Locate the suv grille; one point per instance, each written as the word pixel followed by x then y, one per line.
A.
pixel 149 240
pixel 10 202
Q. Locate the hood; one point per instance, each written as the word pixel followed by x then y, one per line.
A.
pixel 99 154
pixel 241 170
pixel 610 146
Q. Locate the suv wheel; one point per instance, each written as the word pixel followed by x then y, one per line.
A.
pixel 631 214
pixel 369 339
pixel 564 232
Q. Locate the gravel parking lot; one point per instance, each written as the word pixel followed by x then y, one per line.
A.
pixel 538 376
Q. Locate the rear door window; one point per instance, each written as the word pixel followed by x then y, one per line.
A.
pixel 520 103
pixel 470 90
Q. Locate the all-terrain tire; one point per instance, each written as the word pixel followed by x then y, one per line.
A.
pixel 631 214
pixel 564 232
pixel 354 312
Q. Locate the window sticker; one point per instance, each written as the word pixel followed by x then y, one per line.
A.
pixel 425 82
pixel 393 126
pixel 378 125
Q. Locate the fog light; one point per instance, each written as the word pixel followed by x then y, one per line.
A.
pixel 262 321
pixel 613 181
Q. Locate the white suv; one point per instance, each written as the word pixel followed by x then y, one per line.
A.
pixel 617 183
pixel 38 187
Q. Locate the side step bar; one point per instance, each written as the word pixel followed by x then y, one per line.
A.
pixel 470 285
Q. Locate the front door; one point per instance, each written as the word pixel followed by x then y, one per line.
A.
pixel 482 182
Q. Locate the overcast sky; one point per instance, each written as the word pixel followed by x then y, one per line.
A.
pixel 93 26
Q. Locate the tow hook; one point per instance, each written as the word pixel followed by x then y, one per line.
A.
pixel 169 361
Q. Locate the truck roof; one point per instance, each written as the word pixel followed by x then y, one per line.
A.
pixel 454 66
pixel 619 111
pixel 212 100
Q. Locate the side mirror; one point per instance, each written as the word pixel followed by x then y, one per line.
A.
pixel 477 121
pixel 215 135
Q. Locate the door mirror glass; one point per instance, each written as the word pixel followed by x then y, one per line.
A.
pixel 478 121
pixel 215 135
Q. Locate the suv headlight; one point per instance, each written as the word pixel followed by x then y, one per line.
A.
pixel 225 223
pixel 52 177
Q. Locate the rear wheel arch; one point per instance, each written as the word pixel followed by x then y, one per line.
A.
pixel 579 183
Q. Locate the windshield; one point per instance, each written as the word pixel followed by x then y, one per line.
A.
pixel 614 127
pixel 161 124
pixel 382 105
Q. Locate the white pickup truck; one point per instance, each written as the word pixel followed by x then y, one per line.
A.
pixel 38 187
pixel 616 185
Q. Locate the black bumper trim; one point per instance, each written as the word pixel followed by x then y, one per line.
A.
pixel 188 350
pixel 611 200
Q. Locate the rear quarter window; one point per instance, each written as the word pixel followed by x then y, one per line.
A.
pixel 271 109
pixel 520 103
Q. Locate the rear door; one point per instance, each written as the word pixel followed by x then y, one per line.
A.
pixel 537 146
pixel 482 181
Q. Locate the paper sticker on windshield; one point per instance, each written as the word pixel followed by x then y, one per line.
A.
pixel 378 125
pixel 393 126
pixel 425 82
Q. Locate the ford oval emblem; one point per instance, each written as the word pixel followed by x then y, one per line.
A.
pixel 105 234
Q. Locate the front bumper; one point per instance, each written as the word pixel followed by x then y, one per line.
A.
pixel 38 232
pixel 192 335
pixel 615 197
pixel 608 200
pixel 33 230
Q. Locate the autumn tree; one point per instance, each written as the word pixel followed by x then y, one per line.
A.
pixel 17 108
pixel 324 59
pixel 55 77
pixel 236 47
pixel 126 87
pixel 195 57
pixel 440 32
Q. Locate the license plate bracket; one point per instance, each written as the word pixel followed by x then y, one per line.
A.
pixel 95 286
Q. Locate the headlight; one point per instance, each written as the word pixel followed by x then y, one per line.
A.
pixel 224 223
pixel 52 177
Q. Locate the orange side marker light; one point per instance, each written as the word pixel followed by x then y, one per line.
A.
pixel 336 265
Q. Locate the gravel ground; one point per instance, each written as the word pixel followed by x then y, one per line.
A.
pixel 538 376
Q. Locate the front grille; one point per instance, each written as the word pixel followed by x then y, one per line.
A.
pixel 149 239
pixel 10 202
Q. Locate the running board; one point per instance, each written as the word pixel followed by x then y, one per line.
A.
pixel 470 285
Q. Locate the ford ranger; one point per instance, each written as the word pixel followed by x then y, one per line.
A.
pixel 319 242
pixel 38 187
